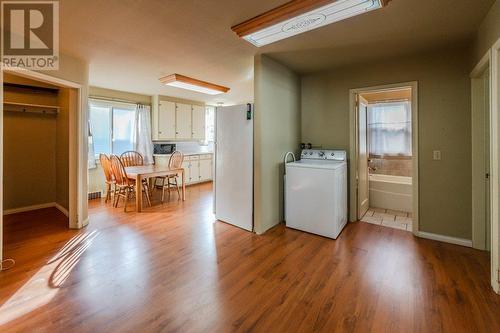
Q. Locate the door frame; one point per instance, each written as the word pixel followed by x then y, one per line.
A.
pixel 478 199
pixel 77 148
pixel 495 165
pixel 353 147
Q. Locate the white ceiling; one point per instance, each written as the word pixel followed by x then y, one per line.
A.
pixel 130 44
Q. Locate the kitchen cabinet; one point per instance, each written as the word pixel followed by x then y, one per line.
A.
pixel 205 168
pixel 166 120
pixel 183 124
pixel 198 123
pixel 177 121
pixel 198 167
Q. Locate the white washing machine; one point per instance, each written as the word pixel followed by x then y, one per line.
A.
pixel 316 192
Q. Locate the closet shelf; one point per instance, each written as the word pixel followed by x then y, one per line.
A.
pixel 30 108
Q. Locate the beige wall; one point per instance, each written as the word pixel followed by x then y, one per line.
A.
pixel 276 131
pixel 444 124
pixel 488 32
pixel 29 151
pixel 62 147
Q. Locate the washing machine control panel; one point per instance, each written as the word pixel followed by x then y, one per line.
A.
pixel 324 154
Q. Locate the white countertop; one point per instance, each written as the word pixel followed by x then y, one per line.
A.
pixel 186 153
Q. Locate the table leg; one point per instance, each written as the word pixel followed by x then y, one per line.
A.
pixel 183 185
pixel 138 193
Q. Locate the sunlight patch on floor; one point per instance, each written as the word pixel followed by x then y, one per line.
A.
pixel 44 285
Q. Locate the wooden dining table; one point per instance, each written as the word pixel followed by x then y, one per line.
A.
pixel 151 171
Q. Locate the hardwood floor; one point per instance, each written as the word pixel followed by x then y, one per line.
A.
pixel 173 268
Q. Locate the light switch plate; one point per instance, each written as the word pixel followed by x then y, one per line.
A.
pixel 436 155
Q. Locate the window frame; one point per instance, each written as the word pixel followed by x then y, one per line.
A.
pixel 111 105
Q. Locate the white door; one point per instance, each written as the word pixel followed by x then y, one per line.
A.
pixel 363 179
pixel 205 169
pixel 166 120
pixel 183 121
pixel 234 166
pixel 198 128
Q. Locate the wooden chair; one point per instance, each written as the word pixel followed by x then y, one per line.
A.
pixel 134 158
pixel 175 162
pixel 131 158
pixel 108 175
pixel 125 187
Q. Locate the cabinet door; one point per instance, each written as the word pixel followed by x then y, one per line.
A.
pixel 166 120
pixel 194 171
pixel 183 121
pixel 185 166
pixel 198 127
pixel 205 169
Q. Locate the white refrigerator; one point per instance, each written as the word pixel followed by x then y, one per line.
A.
pixel 233 191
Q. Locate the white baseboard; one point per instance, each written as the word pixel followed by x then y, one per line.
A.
pixel 28 208
pixel 36 207
pixel 446 239
pixel 62 209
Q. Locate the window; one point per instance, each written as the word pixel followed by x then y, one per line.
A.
pixel 209 124
pixel 389 129
pixel 112 127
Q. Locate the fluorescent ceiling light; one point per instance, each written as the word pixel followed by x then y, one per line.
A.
pixel 299 16
pixel 185 82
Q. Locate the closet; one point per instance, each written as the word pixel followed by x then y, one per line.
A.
pixel 36 145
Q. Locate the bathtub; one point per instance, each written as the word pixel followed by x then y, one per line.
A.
pixel 391 192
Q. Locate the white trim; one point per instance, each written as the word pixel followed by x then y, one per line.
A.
pixel 26 73
pixel 446 239
pixel 353 130
pixel 495 165
pixel 36 207
pixel 61 209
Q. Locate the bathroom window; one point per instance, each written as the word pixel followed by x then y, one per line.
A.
pixel 389 129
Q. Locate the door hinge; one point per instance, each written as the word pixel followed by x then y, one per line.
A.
pixel 498 275
pixel 487 176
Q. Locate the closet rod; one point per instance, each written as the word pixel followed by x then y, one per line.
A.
pixel 30 108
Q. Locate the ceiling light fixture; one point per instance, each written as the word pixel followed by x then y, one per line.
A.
pixel 185 82
pixel 298 16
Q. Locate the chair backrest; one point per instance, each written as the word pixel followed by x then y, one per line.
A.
pixel 176 159
pixel 131 158
pixel 106 167
pixel 119 173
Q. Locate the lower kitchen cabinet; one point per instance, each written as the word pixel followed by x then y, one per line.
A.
pixel 198 168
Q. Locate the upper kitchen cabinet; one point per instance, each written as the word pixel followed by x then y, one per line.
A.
pixel 177 121
pixel 183 125
pixel 198 122
pixel 166 120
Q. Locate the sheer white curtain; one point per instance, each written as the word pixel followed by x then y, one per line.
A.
pixel 91 151
pixel 389 129
pixel 142 133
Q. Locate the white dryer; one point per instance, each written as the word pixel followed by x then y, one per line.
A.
pixel 316 192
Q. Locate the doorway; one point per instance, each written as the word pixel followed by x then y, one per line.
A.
pixel 55 156
pixel 384 156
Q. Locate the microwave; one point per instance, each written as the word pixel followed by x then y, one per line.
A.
pixel 163 148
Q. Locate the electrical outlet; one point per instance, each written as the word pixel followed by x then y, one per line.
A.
pixel 436 155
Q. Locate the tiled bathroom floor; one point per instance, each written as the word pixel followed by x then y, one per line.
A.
pixel 389 218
